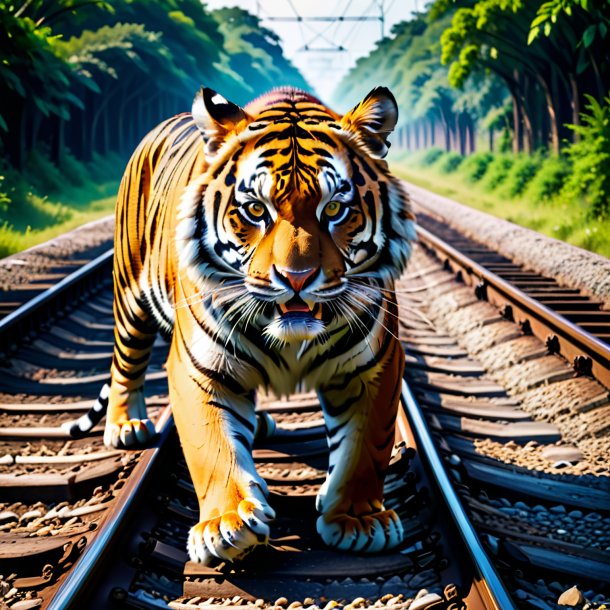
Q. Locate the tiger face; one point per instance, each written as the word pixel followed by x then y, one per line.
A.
pixel 297 210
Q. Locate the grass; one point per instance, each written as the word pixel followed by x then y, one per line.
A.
pixel 536 205
pixel 76 194
pixel 15 240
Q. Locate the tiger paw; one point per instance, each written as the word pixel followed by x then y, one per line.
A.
pixel 232 535
pixel 130 433
pixel 379 531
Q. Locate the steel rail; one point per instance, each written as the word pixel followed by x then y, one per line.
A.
pixel 490 592
pixel 30 316
pixel 585 352
pixel 86 568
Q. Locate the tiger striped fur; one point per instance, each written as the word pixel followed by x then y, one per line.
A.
pixel 265 242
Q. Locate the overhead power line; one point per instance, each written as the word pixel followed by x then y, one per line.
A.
pixel 326 18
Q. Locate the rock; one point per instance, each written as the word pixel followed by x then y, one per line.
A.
pixel 593 517
pixel 562 454
pixel 8 516
pixel 423 602
pixel 27 604
pixel 571 597
pixel 30 515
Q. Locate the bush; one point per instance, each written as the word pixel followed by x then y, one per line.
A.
pixel 431 156
pixel 497 171
pixel 521 173
pixel 450 162
pixel 549 179
pixel 77 171
pixel 44 175
pixel 475 166
pixel 590 156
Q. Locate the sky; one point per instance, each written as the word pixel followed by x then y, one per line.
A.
pixel 333 47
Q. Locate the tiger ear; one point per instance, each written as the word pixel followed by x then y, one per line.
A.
pixel 216 117
pixel 373 120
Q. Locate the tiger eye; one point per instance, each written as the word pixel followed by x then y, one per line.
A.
pixel 256 209
pixel 332 209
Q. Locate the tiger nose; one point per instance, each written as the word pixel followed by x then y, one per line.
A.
pixel 296 279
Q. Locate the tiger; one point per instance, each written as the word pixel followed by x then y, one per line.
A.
pixel 264 242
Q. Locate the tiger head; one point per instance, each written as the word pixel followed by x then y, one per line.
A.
pixel 297 209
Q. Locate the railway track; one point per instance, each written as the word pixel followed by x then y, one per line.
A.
pixel 26 275
pixel 499 473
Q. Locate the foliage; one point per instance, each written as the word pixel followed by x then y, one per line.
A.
pixel 523 169
pixel 30 68
pixel 546 75
pixel 497 171
pixel 549 180
pixel 99 66
pixel 475 166
pixel 450 162
pixel 590 156
pixel 549 12
pixel 432 155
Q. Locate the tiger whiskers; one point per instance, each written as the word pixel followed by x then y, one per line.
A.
pixel 228 315
pixel 348 314
pixel 353 298
pixel 378 291
pixel 371 297
pixel 398 291
pixel 199 297
pixel 248 310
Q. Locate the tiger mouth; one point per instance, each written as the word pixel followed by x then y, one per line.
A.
pixel 297 307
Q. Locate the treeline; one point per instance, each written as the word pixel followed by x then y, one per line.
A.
pixel 509 74
pixel 85 78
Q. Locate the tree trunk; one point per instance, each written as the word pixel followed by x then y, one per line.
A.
pixel 575 104
pixel 446 130
pixel 60 131
pixel 404 138
pixel 491 139
pixel 517 131
pixel 552 113
pixel 470 126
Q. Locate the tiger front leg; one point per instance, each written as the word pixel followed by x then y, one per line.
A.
pixel 360 416
pixel 216 426
pixel 126 422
